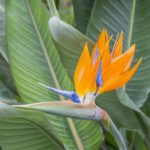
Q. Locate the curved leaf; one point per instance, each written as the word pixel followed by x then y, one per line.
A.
pixel 21 130
pixel 3 30
pixel 131 17
pixel 83 111
pixel 34 59
pixel 142 120
pixel 118 112
pixel 82 9
pixel 65 10
pixel 69 42
pixel 107 101
pixel 5 75
pixel 146 106
pixel 6 95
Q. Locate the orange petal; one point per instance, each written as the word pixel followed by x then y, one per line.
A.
pixel 81 75
pixel 118 81
pixel 117 50
pixel 106 35
pixel 99 44
pixel 103 54
pixel 118 64
pixel 101 41
pixel 106 54
pixel 127 67
pixel 91 87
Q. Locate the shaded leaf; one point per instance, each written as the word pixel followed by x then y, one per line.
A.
pixel 69 43
pixel 82 9
pixel 30 130
pixel 107 101
pixel 146 106
pixel 34 59
pixel 5 75
pixel 82 111
pixel 3 30
pixel 133 18
pixel 65 10
pixel 142 120
pixel 6 95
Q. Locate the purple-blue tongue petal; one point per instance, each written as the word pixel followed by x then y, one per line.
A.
pixel 99 80
pixel 95 56
pixel 68 94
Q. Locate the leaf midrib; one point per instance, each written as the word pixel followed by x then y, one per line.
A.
pixel 69 121
pixel 131 24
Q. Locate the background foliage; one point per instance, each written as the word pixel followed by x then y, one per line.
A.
pixel 33 50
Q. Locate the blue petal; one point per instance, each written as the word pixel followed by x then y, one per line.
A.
pixel 95 56
pixel 99 80
pixel 68 94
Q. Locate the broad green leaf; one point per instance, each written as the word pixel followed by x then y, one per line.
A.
pixel 118 112
pixel 82 9
pixel 136 142
pixel 5 75
pixel 69 43
pixel 146 106
pixel 65 10
pixel 133 18
pixel 52 8
pixel 108 101
pixel 64 35
pixel 142 120
pixel 82 111
pixel 3 30
pixel 21 130
pixel 34 59
pixel 6 95
pixel 133 118
pixel 67 108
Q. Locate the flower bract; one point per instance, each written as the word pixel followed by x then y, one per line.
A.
pixel 102 71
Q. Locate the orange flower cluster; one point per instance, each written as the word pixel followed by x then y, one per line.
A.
pixel 103 70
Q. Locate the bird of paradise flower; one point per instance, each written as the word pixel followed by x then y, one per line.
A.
pixel 101 71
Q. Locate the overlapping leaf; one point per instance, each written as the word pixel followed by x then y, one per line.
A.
pixel 69 43
pixel 3 30
pixel 34 59
pixel 21 130
pixel 63 40
pixel 82 9
pixel 133 18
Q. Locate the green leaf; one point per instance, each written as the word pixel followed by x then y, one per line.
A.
pixel 108 101
pixel 21 130
pixel 146 106
pixel 118 112
pixel 142 120
pixel 34 59
pixel 3 30
pixel 82 111
pixel 5 75
pixel 69 43
pixel 65 10
pixel 64 35
pixel 82 9
pixel 136 142
pixel 52 8
pixel 131 17
pixel 6 95
pixel 67 108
